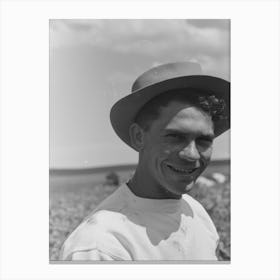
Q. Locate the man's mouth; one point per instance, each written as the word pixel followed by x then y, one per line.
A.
pixel 182 170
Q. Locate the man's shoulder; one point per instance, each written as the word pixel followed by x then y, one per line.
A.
pixel 105 216
pixel 94 233
pixel 200 212
pixel 194 204
pixel 96 230
pixel 96 226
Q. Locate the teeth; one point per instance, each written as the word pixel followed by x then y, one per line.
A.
pixel 181 170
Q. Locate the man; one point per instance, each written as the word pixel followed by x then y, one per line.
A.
pixel 171 119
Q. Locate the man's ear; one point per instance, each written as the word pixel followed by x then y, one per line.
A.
pixel 136 134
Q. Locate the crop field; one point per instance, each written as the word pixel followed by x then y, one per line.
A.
pixel 71 203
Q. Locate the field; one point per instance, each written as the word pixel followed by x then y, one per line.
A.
pixel 72 197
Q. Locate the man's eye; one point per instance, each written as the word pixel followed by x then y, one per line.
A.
pixel 204 141
pixel 174 136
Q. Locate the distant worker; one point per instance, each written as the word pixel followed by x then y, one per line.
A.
pixel 171 119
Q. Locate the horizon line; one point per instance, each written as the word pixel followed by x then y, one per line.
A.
pixel 125 165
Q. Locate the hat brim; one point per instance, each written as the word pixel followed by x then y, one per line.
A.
pixel 124 111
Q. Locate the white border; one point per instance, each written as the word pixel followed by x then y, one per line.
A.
pixel 254 142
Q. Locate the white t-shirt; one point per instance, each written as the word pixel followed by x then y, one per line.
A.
pixel 127 227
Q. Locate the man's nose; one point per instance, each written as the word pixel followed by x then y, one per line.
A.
pixel 190 152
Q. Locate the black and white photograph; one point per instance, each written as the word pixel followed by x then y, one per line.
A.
pixel 139 140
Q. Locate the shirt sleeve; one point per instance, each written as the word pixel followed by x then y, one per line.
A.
pixel 92 255
pixel 93 242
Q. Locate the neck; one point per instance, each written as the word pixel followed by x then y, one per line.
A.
pixel 143 185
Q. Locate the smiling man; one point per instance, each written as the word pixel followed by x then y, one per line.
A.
pixel 171 119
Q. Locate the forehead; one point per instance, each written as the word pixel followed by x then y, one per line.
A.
pixel 185 117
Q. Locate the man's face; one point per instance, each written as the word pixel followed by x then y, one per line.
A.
pixel 177 147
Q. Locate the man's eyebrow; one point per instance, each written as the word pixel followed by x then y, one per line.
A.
pixel 208 136
pixel 172 130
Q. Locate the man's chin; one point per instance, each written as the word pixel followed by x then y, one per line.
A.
pixel 177 186
pixel 179 189
pixel 185 189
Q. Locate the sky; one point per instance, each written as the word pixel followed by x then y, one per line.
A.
pixel 93 63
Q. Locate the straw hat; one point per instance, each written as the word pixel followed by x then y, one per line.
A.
pixel 164 78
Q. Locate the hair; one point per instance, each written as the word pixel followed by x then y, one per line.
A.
pixel 209 103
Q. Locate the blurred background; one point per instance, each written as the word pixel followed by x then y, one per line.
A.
pixel 93 63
